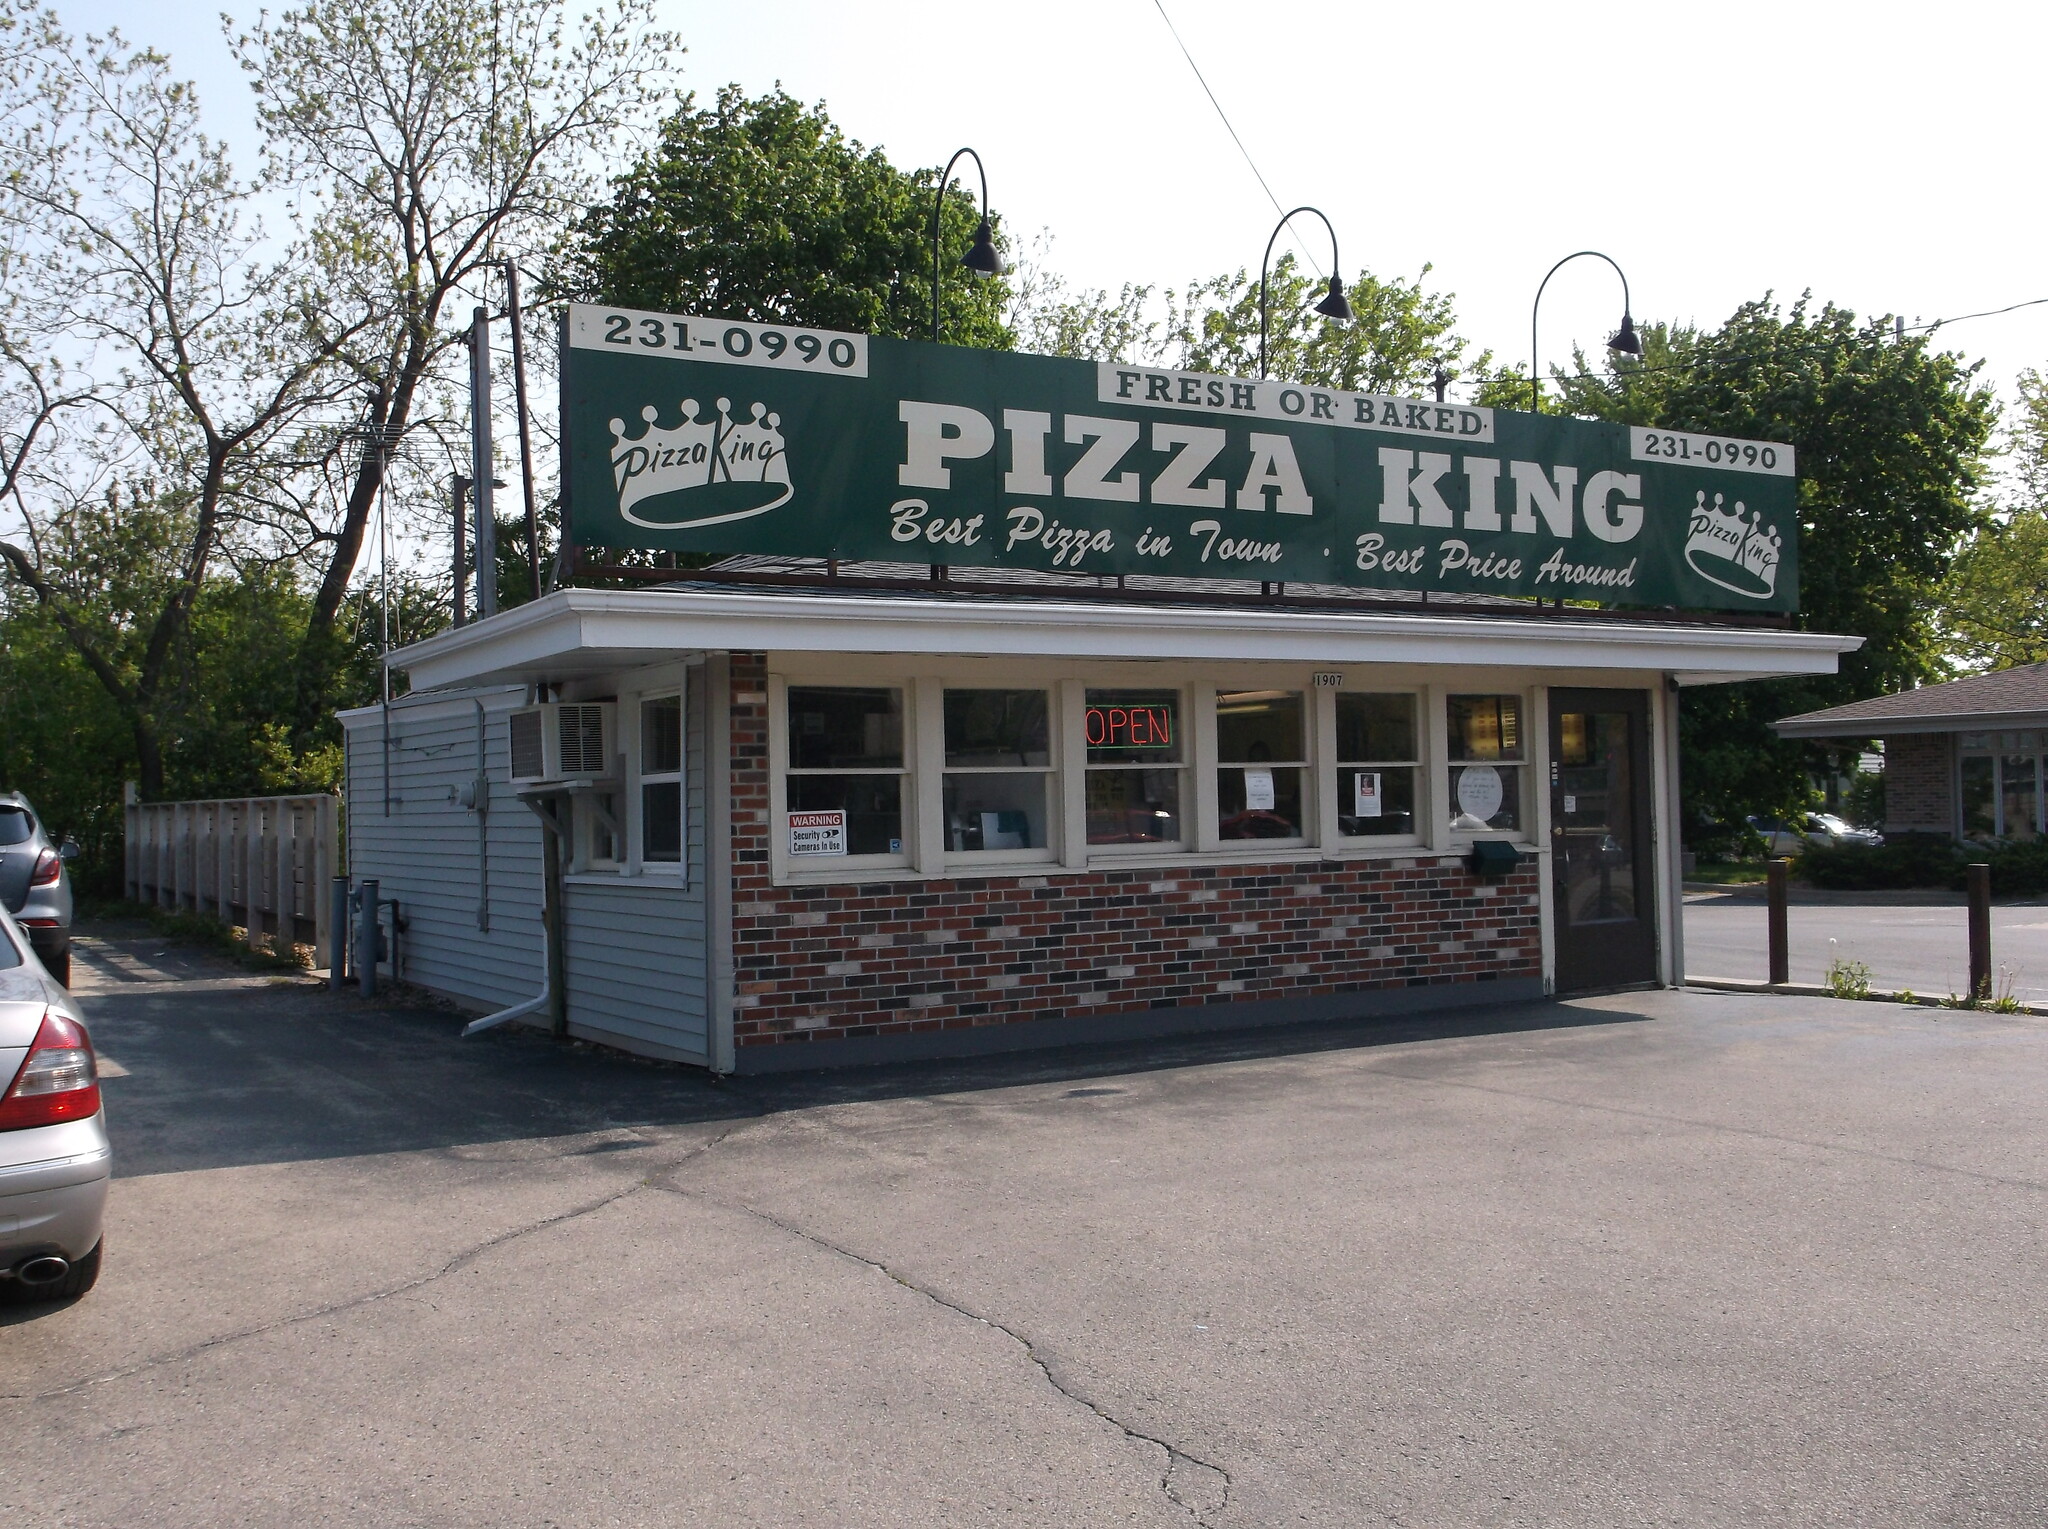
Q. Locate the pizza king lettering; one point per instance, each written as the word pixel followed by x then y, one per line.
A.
pixel 1127 461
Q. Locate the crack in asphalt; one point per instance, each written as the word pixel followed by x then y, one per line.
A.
pixel 460 1261
pixel 1176 1457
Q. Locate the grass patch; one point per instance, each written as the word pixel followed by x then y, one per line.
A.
pixel 1730 874
pixel 208 933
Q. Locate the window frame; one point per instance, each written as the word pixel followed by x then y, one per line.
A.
pixel 1419 698
pixel 910 804
pixel 1068 681
pixel 1050 772
pixel 1305 765
pixel 1193 811
pixel 638 778
pixel 1525 769
pixel 1997 748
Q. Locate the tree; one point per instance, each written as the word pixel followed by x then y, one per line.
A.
pixel 1397 340
pixel 1890 436
pixel 1992 609
pixel 764 210
pixel 435 142
pixel 128 248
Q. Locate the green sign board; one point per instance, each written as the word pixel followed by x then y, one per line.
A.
pixel 710 435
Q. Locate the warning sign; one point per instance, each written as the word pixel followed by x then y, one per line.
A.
pixel 818 833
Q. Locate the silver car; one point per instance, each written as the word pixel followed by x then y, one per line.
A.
pixel 1823 828
pixel 54 1155
pixel 34 885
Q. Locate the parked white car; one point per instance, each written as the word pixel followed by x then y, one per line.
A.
pixel 1781 838
pixel 54 1156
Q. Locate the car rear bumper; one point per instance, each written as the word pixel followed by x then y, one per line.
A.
pixel 56 1203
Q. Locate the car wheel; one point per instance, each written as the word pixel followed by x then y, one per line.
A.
pixel 59 966
pixel 81 1277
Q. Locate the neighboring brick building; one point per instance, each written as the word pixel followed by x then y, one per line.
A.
pixel 1962 758
pixel 812 826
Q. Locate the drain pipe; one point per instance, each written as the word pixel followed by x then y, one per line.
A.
pixel 553 996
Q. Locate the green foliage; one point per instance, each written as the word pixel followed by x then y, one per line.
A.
pixel 1398 337
pixel 762 209
pixel 1864 803
pixel 1904 860
pixel 1846 979
pixel 1992 609
pixel 2019 868
pixel 1891 437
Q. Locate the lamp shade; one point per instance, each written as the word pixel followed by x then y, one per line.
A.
pixel 1625 339
pixel 1335 305
pixel 981 257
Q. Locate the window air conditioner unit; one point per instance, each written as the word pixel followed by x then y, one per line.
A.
pixel 563 741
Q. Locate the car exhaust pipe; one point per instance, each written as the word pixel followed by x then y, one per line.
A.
pixel 45 1270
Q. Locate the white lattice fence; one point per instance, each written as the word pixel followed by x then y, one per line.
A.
pixel 262 862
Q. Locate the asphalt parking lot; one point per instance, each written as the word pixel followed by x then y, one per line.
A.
pixel 1917 940
pixel 1656 1259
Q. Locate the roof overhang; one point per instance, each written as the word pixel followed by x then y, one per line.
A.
pixel 1821 725
pixel 575 633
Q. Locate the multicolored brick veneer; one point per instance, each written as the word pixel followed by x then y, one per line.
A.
pixel 895 957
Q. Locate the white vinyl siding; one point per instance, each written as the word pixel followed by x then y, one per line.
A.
pixel 635 946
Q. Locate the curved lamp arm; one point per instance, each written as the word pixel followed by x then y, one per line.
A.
pixel 938 205
pixel 1627 320
pixel 1334 304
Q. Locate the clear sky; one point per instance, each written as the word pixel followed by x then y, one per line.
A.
pixel 1874 152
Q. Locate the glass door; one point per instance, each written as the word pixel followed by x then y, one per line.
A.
pixel 1602 869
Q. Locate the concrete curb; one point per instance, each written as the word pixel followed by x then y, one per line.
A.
pixel 1816 990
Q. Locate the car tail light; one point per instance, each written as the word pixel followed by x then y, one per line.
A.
pixel 58 1079
pixel 49 866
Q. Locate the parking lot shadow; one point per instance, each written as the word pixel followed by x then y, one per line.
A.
pixel 211 1067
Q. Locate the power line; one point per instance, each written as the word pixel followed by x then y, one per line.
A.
pixel 1710 358
pixel 1225 116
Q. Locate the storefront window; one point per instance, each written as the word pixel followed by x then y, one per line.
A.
pixel 1377 757
pixel 661 780
pixel 845 771
pixel 998 764
pixel 1135 751
pixel 1484 769
pixel 1261 761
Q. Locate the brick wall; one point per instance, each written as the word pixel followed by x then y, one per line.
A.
pixel 890 958
pixel 1918 784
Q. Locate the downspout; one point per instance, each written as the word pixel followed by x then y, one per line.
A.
pixel 480 790
pixel 553 997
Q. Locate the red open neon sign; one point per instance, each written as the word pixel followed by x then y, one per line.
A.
pixel 1130 727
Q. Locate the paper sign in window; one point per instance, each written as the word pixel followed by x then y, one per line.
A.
pixel 1366 797
pixel 1258 790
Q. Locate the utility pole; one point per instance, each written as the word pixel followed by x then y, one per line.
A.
pixel 480 463
pixel 460 485
pixel 525 431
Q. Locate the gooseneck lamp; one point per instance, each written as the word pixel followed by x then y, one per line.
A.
pixel 1334 304
pixel 982 258
pixel 1624 341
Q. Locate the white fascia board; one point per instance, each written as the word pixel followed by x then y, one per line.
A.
pixel 577 631
pixel 1897 727
pixel 439 703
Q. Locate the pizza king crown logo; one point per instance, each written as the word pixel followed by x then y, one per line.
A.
pixel 1733 548
pixel 704 452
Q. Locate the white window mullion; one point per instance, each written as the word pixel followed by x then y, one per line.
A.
pixel 924 807
pixel 1070 740
pixel 1323 764
pixel 1201 705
